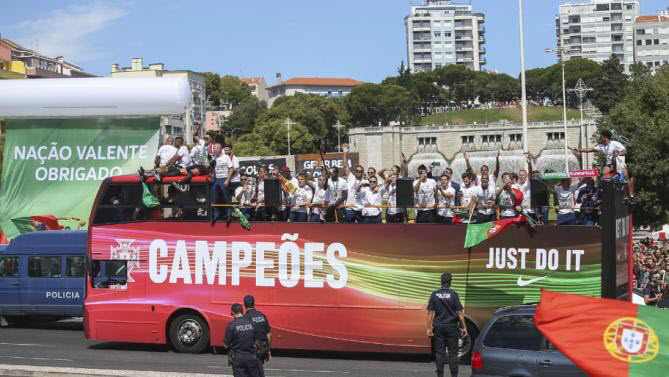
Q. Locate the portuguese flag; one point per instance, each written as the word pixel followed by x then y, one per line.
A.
pixel 606 338
pixel 477 233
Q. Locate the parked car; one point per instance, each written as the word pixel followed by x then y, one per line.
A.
pixel 511 345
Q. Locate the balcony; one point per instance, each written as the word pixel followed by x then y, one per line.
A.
pixel 481 50
pixel 483 61
pixel 481 40
pixel 464 48
pixel 464 59
pixel 463 38
pixel 481 29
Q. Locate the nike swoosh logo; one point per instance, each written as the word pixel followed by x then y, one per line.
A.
pixel 525 283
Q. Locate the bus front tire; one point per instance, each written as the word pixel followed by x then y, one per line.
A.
pixel 189 333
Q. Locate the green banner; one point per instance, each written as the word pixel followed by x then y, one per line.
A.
pixel 55 166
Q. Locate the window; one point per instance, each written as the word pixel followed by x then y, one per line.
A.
pixel 639 42
pixel 514 332
pixel 602 7
pixel 447 34
pixel 437 34
pixel 74 267
pixel 656 41
pixel 649 42
pixel 641 31
pixel 123 203
pixel 44 267
pixel 9 267
pixel 616 6
pixel 109 273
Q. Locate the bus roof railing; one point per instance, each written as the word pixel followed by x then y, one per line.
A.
pixel 48 242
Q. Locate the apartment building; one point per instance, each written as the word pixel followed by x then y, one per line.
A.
pixel 442 32
pixel 17 61
pixel 597 29
pixel 651 40
pixel 258 87
pixel 327 87
pixel 191 122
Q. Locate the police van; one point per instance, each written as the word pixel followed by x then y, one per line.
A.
pixel 42 275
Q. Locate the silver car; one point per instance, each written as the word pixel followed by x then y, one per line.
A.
pixel 511 345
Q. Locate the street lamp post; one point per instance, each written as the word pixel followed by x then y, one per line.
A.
pixel 288 123
pixel 522 76
pixel 561 52
pixel 581 91
pixel 338 126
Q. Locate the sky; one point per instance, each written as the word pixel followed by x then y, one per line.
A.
pixel 360 39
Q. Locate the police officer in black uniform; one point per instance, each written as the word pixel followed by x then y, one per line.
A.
pixel 240 338
pixel 444 313
pixel 261 323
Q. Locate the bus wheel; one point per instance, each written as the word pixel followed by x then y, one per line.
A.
pixel 189 333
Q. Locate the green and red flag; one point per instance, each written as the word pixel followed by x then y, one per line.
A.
pixel 477 233
pixel 36 223
pixel 606 338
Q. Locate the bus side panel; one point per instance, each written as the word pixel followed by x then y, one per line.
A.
pixel 335 286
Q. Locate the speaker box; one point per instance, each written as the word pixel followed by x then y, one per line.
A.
pixel 405 193
pixel 539 192
pixel 272 193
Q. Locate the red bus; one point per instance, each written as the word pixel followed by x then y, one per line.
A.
pixel 169 275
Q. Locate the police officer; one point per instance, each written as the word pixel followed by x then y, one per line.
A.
pixel 240 338
pixel 444 312
pixel 261 324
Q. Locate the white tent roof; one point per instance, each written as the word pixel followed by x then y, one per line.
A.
pixel 102 96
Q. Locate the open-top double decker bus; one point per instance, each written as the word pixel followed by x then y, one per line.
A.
pixel 341 287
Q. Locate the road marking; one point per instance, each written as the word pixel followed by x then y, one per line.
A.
pixel 20 344
pixel 525 283
pixel 12 369
pixel 307 371
pixel 34 358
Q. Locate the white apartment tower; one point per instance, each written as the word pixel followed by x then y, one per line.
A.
pixel 651 34
pixel 441 32
pixel 597 29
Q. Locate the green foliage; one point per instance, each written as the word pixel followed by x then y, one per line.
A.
pixel 610 86
pixel 642 117
pixel 233 91
pixel 213 87
pixel 226 90
pixel 374 104
pixel 243 119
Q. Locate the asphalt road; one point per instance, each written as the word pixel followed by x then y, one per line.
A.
pixel 62 344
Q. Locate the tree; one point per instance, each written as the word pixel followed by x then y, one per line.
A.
pixel 536 83
pixel 244 118
pixel 374 105
pixel 642 117
pixel 610 86
pixel 213 87
pixel 233 91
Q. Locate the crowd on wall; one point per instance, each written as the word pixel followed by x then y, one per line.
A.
pixel 651 271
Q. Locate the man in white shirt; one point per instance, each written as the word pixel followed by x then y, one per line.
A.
pixel 485 171
pixel 221 172
pixel 300 200
pixel 165 154
pixel 565 196
pixel 245 196
pixel 318 202
pixel 393 214
pixel 183 159
pixel 485 196
pixel 615 158
pixel 506 198
pixel 467 190
pixel 198 153
pixel 354 198
pixel 424 189
pixel 445 200
pixel 336 195
pixel 373 198
pixel 525 188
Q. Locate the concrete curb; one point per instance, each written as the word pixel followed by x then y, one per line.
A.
pixel 38 371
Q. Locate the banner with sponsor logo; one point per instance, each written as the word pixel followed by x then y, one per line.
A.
pixel 55 166
pixel 376 276
pixel 309 162
pixel 250 167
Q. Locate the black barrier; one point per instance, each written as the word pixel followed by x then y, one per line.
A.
pixel 405 194
pixel 272 193
pixel 616 221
